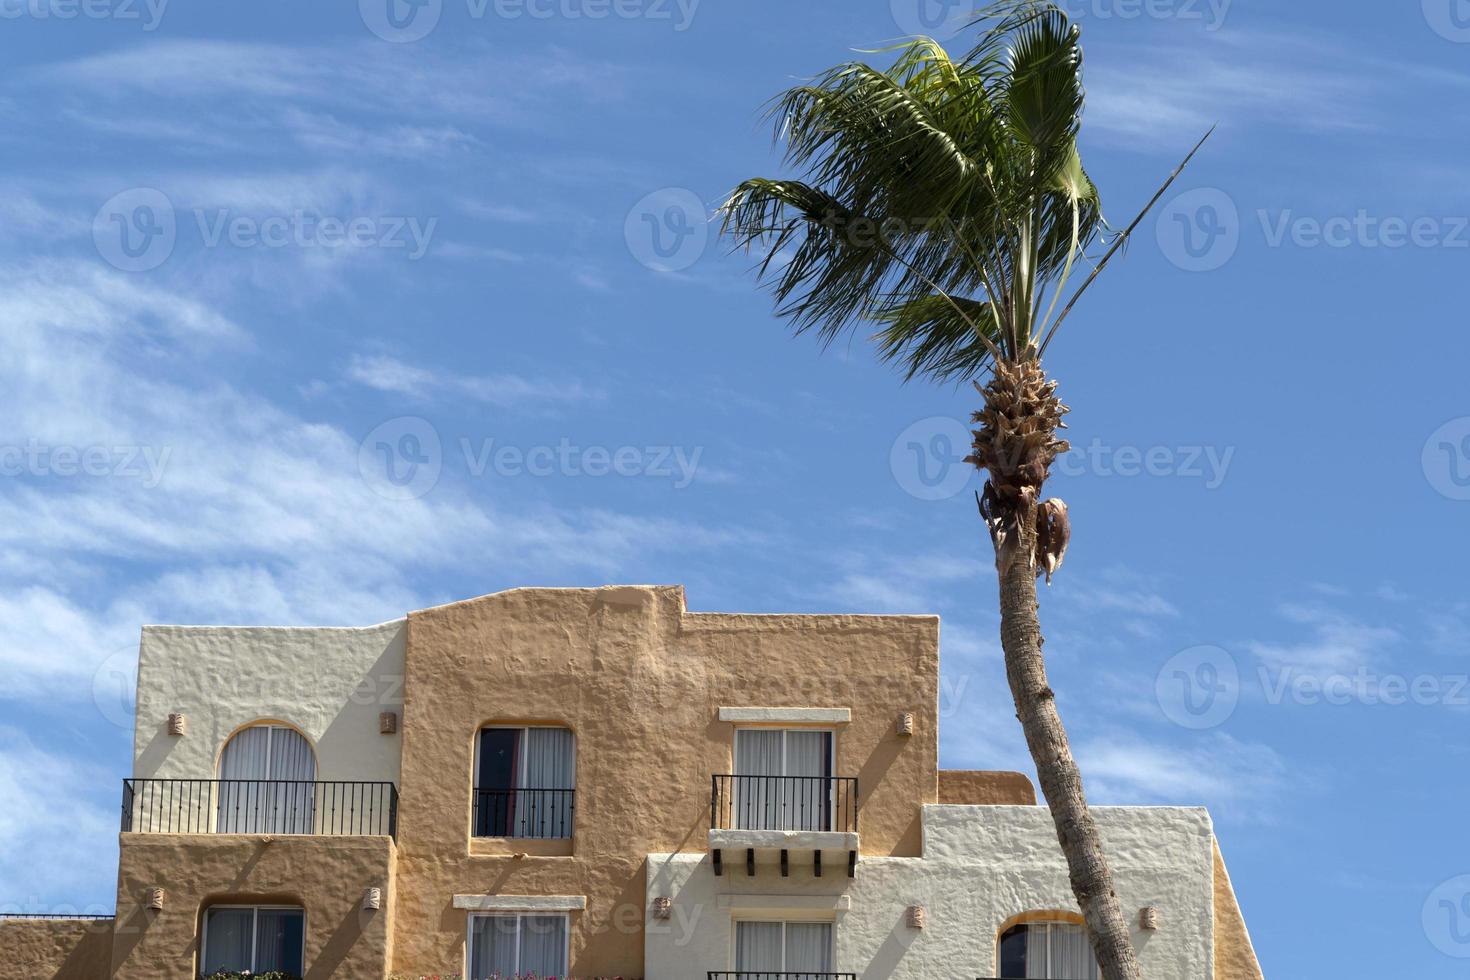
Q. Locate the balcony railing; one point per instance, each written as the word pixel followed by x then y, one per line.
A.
pixel 767 975
pixel 259 806
pixel 822 803
pixel 531 814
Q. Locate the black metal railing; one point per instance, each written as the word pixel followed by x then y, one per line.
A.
pixel 533 814
pixel 768 975
pixel 828 803
pixel 259 806
pixel 58 916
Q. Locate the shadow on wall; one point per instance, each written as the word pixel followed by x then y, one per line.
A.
pixel 890 954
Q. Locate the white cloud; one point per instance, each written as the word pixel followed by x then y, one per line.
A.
pixel 390 374
pixel 1217 770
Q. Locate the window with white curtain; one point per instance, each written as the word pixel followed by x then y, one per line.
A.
pixel 1048 951
pixel 502 946
pixel 266 786
pixel 764 950
pixel 783 779
pixel 255 939
pixel 525 782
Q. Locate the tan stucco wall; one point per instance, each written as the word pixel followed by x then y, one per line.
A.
pixel 330 684
pixel 975 788
pixel 641 682
pixel 52 949
pixel 327 876
pixel 1235 957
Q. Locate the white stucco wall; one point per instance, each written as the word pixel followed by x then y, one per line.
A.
pixel 981 866
pixel 329 683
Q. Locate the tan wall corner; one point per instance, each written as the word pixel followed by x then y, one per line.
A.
pixel 970 788
pixel 1235 957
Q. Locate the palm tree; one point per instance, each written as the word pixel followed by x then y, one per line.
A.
pixel 944 201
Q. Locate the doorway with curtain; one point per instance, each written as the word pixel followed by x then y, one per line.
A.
pixel 1047 951
pixel 525 783
pixel 783 779
pixel 267 784
pixel 766 950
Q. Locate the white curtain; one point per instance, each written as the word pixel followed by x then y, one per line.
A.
pixel 758 947
pixel 809 758
pixel 275 764
pixel 506 946
pixel 545 810
pixel 543 946
pixel 1059 951
pixel 758 753
pixel 808 947
pixel 228 937
pixel 493 947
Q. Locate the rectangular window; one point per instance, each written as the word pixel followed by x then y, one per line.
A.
pixel 525 783
pixel 506 946
pixel 255 939
pixel 773 948
pixel 783 779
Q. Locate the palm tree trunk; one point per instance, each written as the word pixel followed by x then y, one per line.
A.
pixel 1016 443
pixel 1061 782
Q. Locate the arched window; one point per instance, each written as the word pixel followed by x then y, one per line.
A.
pixel 1047 948
pixel 267 783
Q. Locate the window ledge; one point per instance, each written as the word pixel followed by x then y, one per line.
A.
pixel 529 846
pixel 787 716
pixel 521 903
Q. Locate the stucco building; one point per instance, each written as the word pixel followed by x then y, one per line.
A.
pixel 597 783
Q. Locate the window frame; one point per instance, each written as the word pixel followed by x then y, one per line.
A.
pixel 1026 921
pixel 522 750
pixel 518 915
pixel 783 921
pixel 255 911
pixel 785 729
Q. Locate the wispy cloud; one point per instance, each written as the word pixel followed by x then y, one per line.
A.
pixel 390 374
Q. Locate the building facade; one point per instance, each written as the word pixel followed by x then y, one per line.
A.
pixel 597 783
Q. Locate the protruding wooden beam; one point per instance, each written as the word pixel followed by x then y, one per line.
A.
pixel 852 864
pixel 719 865
pixel 817 863
pixel 785 863
pixel 750 862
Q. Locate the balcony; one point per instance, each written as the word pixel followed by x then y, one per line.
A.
pixel 259 806
pixel 766 975
pixel 524 814
pixel 772 818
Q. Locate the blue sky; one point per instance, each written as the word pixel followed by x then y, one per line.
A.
pixel 247 246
